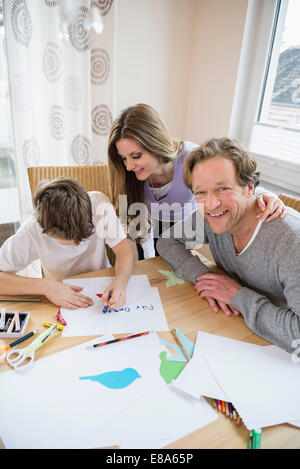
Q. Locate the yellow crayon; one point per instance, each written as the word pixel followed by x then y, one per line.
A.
pixel 59 327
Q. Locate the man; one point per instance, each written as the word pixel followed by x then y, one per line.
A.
pixel 68 234
pixel 261 261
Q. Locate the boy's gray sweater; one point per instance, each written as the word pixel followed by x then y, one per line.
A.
pixel 269 270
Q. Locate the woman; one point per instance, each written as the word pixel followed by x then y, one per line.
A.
pixel 145 164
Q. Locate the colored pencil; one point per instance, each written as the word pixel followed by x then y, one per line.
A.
pixel 187 355
pixel 16 342
pixel 19 301
pixel 228 409
pixel 121 339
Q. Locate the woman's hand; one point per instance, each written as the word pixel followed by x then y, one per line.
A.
pixel 271 207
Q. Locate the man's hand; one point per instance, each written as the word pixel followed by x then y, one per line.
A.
pixel 219 287
pixel 227 309
pixel 65 296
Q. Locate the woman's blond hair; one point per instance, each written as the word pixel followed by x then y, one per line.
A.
pixel 144 125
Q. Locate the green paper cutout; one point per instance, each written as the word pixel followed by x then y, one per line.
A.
pixel 169 369
pixel 173 280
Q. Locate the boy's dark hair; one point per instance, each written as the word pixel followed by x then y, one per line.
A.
pixel 63 209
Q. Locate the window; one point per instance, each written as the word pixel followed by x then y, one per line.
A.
pixel 269 99
pixel 280 100
pixel 9 207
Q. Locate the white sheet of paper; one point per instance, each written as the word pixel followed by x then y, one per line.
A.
pixel 50 407
pixel 295 423
pixel 95 285
pixel 143 310
pixel 168 414
pixel 196 379
pixel 263 383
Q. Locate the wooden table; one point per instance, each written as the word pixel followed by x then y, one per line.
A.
pixel 185 310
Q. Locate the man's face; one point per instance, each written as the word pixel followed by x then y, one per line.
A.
pixel 215 185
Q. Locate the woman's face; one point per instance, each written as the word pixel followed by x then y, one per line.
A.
pixel 137 159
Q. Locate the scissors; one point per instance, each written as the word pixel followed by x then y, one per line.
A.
pixel 21 355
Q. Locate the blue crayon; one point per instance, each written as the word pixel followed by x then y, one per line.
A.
pixel 107 306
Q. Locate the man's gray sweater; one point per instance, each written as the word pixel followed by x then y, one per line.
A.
pixel 268 270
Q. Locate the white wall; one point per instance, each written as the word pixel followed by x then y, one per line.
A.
pixel 154 41
pixel 217 45
pixel 181 57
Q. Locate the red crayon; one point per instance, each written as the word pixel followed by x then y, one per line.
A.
pixel 60 318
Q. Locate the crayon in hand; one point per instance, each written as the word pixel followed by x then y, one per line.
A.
pixel 105 309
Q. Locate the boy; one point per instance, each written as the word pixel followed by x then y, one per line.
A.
pixel 68 234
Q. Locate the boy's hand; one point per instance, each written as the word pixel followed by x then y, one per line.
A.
pixel 118 295
pixel 66 296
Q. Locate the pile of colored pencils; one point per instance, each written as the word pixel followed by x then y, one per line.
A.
pixel 226 408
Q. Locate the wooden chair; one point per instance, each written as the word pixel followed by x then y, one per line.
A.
pixel 92 178
pixel 290 201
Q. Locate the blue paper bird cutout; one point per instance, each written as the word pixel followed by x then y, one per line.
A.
pixel 115 379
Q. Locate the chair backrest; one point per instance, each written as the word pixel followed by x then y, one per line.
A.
pixel 290 201
pixel 92 178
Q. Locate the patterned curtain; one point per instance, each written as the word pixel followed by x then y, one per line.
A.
pixel 60 75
